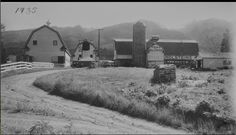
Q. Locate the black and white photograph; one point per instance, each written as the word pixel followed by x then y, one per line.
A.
pixel 118 68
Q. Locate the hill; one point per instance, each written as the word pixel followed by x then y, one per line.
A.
pixel 209 34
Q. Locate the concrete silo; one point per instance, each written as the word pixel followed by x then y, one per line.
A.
pixel 139 44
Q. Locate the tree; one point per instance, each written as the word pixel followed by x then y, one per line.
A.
pixel 3 50
pixel 226 42
pixel 3 27
pixel 3 53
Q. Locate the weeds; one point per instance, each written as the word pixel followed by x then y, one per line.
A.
pixel 41 127
pixel 182 84
pixel 98 92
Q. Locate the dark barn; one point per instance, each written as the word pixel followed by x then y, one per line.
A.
pixel 178 52
pixel 123 52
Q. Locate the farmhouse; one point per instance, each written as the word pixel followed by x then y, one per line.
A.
pixel 84 54
pixel 45 44
pixel 142 52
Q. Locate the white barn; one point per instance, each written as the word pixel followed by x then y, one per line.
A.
pixel 46 45
pixel 84 54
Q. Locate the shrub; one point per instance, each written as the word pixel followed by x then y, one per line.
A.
pixel 162 101
pixel 221 91
pixel 183 84
pixel 200 85
pixel 221 80
pixel 183 77
pixel 150 93
pixel 41 127
pixel 204 106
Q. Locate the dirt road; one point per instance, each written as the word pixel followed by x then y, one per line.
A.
pixel 22 105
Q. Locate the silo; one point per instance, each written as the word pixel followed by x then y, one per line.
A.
pixel 139 44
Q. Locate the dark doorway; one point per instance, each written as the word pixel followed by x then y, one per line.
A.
pixel 61 59
pixel 199 64
pixel 30 58
pixel 86 46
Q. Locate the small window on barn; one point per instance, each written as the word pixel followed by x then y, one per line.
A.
pixel 54 42
pixel 91 56
pixel 35 42
pixel 86 46
pixel 80 56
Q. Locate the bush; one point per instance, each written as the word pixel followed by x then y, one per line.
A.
pixel 204 106
pixel 183 77
pixel 200 85
pixel 183 84
pixel 150 93
pixel 41 127
pixel 162 101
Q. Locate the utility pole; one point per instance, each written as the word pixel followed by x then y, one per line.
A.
pixel 99 43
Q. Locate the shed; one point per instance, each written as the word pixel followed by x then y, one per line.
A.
pixel 217 61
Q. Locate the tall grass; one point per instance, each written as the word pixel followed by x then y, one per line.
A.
pixel 98 87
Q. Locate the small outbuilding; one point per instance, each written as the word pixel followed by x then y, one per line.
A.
pixel 217 61
pixel 155 54
pixel 85 53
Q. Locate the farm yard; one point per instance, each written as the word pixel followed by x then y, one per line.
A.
pixel 198 102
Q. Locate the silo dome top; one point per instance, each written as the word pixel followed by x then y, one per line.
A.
pixel 155 37
pixel 140 23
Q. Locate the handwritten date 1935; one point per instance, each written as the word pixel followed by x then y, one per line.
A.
pixel 23 10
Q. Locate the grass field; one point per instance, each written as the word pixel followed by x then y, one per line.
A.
pixel 197 102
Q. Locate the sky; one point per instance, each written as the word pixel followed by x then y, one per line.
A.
pixel 172 15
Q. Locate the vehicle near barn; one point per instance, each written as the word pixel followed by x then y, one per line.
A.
pixel 107 63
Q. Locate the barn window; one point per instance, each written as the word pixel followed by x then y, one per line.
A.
pixel 35 42
pixel 54 42
pixel 80 56
pixel 91 56
pixel 86 46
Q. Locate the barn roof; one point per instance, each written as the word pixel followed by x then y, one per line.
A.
pixel 179 48
pixel 80 43
pixel 123 47
pixel 171 47
pixel 58 34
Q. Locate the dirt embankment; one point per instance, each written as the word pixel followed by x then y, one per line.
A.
pixel 22 105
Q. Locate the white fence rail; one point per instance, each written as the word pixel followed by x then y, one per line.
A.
pixel 25 65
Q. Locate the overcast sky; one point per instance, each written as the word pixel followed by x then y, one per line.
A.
pixel 99 14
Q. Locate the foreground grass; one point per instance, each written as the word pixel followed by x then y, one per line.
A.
pixel 125 90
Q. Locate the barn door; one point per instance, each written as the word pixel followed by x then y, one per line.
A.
pixel 61 59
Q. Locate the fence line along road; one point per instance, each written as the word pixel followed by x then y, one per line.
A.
pixel 25 65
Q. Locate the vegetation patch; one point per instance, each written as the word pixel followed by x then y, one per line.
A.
pixel 128 91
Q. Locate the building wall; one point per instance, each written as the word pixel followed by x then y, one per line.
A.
pixel 44 50
pixel 85 55
pixel 214 63
pixel 139 43
pixel 67 60
pixel 155 57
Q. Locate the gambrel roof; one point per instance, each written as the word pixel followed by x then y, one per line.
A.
pixel 80 43
pixel 58 34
